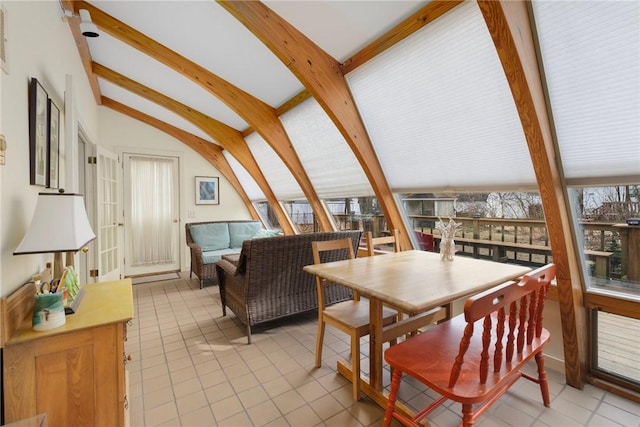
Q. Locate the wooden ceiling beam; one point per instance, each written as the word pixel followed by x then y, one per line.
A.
pixel 261 116
pixel 210 151
pixel 510 28
pixel 429 13
pixel 322 77
pixel 83 49
pixel 229 138
pixel 422 17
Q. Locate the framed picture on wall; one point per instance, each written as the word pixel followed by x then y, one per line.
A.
pixel 53 142
pixel 207 190
pixel 38 152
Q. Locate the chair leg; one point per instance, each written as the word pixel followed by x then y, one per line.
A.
pixel 319 343
pixel 542 379
pixel 355 366
pixel 393 394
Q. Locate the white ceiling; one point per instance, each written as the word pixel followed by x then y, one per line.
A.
pixel 438 101
pixel 206 34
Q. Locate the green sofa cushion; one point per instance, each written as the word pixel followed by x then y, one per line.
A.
pixel 241 231
pixel 212 257
pixel 211 237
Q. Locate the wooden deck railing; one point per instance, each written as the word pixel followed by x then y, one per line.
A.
pixel 523 241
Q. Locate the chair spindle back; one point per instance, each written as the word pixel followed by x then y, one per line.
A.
pixel 524 301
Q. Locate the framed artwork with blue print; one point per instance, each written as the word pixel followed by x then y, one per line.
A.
pixel 207 190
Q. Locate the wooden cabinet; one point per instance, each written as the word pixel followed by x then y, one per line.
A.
pixel 75 373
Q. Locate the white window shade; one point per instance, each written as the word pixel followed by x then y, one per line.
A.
pixel 282 182
pixel 254 193
pixel 591 56
pixel 439 110
pixel 331 166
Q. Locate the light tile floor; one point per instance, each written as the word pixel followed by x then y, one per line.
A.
pixel 193 367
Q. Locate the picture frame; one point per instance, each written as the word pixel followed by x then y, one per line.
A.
pixel 38 147
pixel 53 144
pixel 207 190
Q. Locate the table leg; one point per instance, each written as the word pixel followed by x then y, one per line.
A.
pixel 375 343
pixel 378 396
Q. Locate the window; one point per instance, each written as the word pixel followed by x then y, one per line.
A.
pixel 269 219
pixel 500 226
pixel 611 247
pixel 357 213
pixel 301 215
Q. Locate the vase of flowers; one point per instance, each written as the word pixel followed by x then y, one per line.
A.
pixel 447 233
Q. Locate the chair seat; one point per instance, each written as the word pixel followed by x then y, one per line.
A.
pixel 429 357
pixel 355 314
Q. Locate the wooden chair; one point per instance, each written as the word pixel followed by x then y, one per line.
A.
pixel 425 241
pixel 375 242
pixel 458 364
pixel 351 317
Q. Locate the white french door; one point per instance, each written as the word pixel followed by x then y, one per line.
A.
pixel 107 235
pixel 151 214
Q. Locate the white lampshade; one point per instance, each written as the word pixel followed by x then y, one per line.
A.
pixel 59 224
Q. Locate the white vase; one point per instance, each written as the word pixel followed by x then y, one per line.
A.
pixel 447 249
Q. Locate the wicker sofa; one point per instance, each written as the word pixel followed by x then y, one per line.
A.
pixel 209 240
pixel 267 281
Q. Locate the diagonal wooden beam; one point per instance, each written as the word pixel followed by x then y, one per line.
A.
pixel 509 25
pixel 429 13
pixel 83 49
pixel 322 77
pixel 259 115
pixel 208 150
pixel 228 137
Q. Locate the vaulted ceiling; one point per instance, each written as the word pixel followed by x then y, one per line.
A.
pixel 224 76
pixel 214 72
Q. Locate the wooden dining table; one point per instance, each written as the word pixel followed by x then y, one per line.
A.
pixel 413 282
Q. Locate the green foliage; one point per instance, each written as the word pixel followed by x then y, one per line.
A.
pixel 614 246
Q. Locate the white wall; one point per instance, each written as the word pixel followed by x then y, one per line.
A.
pixel 40 45
pixel 120 133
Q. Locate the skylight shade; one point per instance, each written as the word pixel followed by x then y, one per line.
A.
pixel 439 111
pixel 254 193
pixel 332 167
pixel 591 56
pixel 282 182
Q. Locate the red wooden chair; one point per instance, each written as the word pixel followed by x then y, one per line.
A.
pixel 476 369
pixel 425 241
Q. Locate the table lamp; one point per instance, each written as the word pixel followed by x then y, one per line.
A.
pixel 59 224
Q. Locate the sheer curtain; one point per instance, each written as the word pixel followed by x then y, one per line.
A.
pixel 151 211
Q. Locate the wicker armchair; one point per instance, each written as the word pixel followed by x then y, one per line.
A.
pixel 268 282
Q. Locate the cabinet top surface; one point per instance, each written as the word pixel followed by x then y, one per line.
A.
pixel 102 304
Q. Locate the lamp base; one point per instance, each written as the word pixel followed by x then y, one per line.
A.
pixel 57 265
